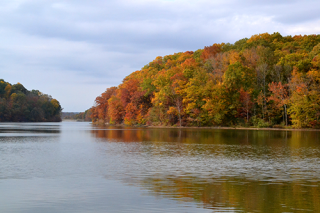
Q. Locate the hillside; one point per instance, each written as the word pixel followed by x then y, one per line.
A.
pixel 17 104
pixel 267 80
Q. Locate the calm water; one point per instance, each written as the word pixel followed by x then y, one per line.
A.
pixel 76 167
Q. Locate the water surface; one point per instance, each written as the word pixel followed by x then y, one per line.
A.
pixel 77 167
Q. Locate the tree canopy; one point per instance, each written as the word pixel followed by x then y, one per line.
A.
pixel 266 80
pixel 18 104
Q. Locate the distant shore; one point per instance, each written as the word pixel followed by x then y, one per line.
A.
pixel 74 120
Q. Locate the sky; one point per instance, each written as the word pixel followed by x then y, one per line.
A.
pixel 74 49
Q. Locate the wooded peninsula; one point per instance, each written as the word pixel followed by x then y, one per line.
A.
pixel 17 104
pixel 268 80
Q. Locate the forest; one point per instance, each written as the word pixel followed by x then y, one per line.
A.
pixel 79 116
pixel 268 80
pixel 17 104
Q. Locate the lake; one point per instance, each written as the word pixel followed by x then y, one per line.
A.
pixel 77 167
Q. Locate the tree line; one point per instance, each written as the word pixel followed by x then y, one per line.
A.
pixel 81 116
pixel 268 80
pixel 17 104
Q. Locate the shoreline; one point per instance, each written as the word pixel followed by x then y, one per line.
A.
pixel 208 127
pixel 235 128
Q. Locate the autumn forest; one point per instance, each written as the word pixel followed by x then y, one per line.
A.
pixel 18 104
pixel 268 80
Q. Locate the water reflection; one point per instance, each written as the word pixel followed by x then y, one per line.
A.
pixel 242 194
pixel 76 167
pixel 237 170
pixel 25 129
pixel 294 139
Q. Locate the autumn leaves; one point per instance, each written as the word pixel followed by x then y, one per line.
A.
pixel 267 79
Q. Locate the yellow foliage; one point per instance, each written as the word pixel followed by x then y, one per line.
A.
pixel 172 111
pixel 257 37
pixel 316 61
pixel 234 57
pixel 55 103
pixel 13 96
pixel 8 90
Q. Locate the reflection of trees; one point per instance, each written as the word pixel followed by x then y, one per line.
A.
pixel 266 145
pixel 55 129
pixel 272 139
pixel 286 186
pixel 241 194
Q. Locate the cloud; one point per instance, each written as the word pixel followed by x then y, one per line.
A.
pixel 300 17
pixel 73 49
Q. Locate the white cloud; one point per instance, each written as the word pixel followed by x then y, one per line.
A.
pixel 73 49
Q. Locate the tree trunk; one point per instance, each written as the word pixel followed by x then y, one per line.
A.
pixel 179 107
pixel 179 117
pixel 285 114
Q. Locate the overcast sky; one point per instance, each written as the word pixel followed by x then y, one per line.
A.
pixel 75 49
